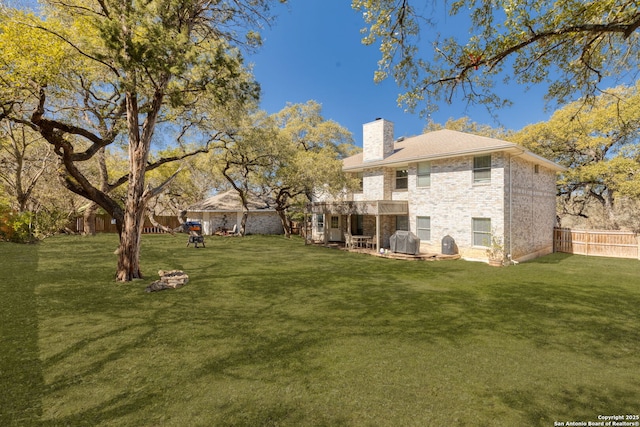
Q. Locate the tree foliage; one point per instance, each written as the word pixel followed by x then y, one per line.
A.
pixel 101 73
pixel 251 150
pixel 284 158
pixel 465 124
pixel 24 159
pixel 574 46
pixel 600 146
pixel 312 149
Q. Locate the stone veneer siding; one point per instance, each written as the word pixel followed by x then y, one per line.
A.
pixel 377 140
pixel 453 200
pixel 533 215
pixel 257 222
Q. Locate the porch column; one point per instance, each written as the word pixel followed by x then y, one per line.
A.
pixel 378 232
pixel 325 229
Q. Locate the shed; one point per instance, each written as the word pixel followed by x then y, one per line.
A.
pixel 224 211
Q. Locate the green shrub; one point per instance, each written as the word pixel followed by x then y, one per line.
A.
pixel 16 226
pixel 46 223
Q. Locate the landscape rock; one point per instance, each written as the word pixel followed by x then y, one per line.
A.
pixel 172 279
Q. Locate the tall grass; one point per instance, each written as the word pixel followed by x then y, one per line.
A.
pixel 272 332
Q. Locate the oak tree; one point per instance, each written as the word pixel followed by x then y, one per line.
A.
pixel 599 145
pixel 574 46
pixel 91 74
pixel 310 159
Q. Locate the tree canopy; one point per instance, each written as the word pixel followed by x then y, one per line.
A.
pixel 284 158
pixel 574 46
pixel 91 74
pixel 465 124
pixel 599 145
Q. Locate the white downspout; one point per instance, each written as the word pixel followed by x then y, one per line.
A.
pixel 511 202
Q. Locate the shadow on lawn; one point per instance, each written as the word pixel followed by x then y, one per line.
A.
pixel 21 379
pixel 259 326
pixel 117 396
pixel 574 403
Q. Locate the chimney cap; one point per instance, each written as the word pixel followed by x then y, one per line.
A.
pixel 378 118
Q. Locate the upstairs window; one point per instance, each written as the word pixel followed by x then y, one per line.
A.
pixel 482 169
pixel 402 179
pixel 360 179
pixel 424 174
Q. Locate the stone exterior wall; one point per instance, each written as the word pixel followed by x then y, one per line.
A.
pixel 377 140
pixel 519 200
pixel 373 185
pixel 531 211
pixel 453 200
pixel 257 222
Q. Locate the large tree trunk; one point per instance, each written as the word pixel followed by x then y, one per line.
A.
pixel 286 226
pixel 135 205
pixel 282 199
pixel 609 209
pixel 243 221
pixel 130 238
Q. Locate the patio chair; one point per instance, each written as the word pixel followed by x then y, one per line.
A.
pixel 348 241
pixel 371 243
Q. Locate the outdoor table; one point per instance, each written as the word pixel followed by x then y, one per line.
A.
pixel 360 241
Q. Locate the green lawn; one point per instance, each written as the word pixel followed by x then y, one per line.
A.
pixel 270 332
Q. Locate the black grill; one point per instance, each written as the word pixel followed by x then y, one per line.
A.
pixel 404 242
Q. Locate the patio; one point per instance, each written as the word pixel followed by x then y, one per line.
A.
pixel 388 254
pixel 371 223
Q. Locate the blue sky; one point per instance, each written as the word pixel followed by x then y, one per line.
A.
pixel 314 52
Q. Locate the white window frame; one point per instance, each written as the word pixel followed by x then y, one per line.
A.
pixel 424 233
pixel 320 222
pixel 423 174
pixel 402 175
pixel 480 175
pixel 481 232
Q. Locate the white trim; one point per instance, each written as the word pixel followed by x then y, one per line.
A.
pixel 514 149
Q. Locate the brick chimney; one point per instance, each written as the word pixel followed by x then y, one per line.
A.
pixel 377 140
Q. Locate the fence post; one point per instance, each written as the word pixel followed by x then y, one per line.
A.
pixel 587 239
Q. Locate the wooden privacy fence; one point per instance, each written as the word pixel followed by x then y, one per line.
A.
pixel 105 224
pixel 617 244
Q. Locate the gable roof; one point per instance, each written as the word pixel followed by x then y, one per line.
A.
pixel 228 201
pixel 443 144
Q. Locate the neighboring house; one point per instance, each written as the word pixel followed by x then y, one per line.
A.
pixel 224 211
pixel 445 183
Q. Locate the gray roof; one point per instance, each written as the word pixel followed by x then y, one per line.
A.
pixel 228 201
pixel 443 144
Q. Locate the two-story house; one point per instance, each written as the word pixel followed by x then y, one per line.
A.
pixel 445 183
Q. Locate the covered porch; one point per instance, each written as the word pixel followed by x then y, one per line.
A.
pixel 369 223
